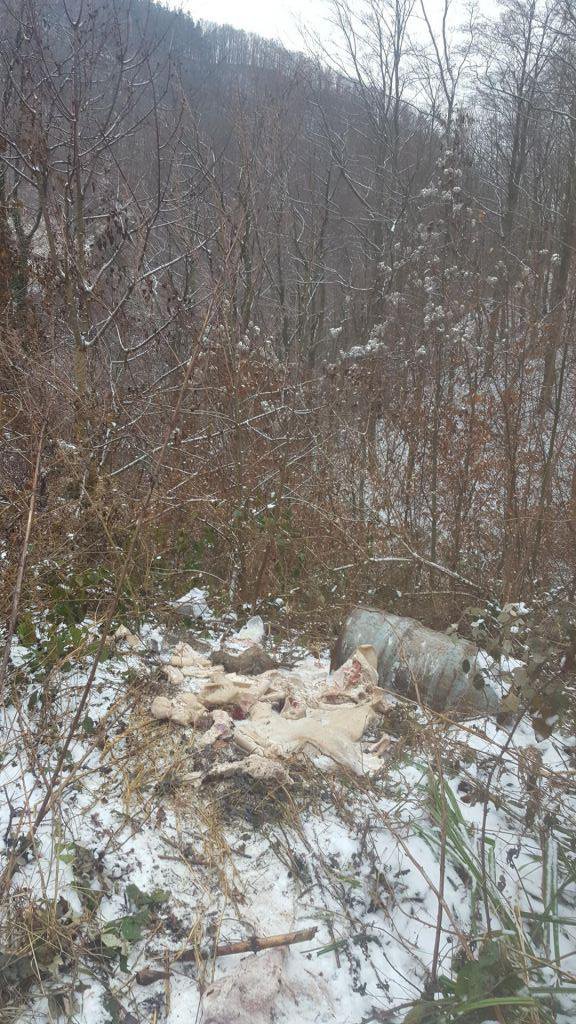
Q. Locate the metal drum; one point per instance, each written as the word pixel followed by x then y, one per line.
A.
pixel 435 669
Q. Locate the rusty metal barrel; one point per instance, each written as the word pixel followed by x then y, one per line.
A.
pixel 433 668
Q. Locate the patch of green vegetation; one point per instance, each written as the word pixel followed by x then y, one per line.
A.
pixel 55 646
pixel 119 934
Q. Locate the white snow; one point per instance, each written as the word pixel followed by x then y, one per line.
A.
pixel 361 862
pixel 196 597
pixel 252 633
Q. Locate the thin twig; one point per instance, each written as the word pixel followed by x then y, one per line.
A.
pixel 22 566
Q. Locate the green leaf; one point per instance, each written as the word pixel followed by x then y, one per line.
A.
pixel 66 852
pixel 131 927
pixel 425 1012
pixel 26 632
pixel 159 896
pixel 355 883
pixel 487 1004
pixel 110 939
pixel 340 944
pixel 126 929
pixel 143 899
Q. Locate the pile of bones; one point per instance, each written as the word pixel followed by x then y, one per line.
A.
pixel 274 714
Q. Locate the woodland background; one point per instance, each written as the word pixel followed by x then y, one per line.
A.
pixel 298 328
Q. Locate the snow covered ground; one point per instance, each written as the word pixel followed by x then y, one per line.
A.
pixel 460 846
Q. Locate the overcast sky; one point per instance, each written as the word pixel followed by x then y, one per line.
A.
pixel 281 19
pixel 277 19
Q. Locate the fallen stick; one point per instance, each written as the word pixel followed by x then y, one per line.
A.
pixel 254 945
pixel 149 975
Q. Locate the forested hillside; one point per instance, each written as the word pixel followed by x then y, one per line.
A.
pixel 289 313
pixel 282 334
